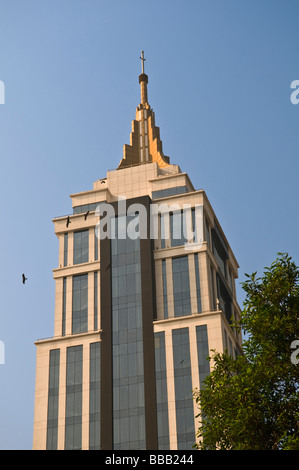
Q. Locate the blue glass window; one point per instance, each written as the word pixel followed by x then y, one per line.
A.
pixel 95 300
pixel 183 389
pixel 177 224
pixel 80 303
pixel 65 249
pixel 73 403
pixel 95 397
pixel 164 280
pixel 198 295
pixel 53 396
pixel 169 192
pixel 161 390
pixel 202 352
pixel 81 246
pixel 63 305
pixel 181 286
pixel 127 343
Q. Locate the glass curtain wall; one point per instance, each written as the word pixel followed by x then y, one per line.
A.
pixel 183 389
pixel 161 390
pixel 73 402
pixel 127 339
pixel 53 395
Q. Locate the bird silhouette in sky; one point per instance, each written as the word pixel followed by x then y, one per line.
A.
pixel 68 221
pixel 24 279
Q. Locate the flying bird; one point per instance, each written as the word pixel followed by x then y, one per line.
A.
pixel 24 279
pixel 85 215
pixel 68 221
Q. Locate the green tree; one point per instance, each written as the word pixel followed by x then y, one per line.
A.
pixel 252 402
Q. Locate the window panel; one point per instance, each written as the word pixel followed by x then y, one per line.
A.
pixel 94 396
pixel 161 391
pixel 181 286
pixel 53 396
pixel 81 246
pixel 80 303
pixel 202 352
pixel 183 389
pixel 127 350
pixel 73 412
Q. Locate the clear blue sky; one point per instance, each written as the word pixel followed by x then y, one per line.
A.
pixel 219 83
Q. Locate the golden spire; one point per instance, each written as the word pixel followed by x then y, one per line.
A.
pixel 145 144
pixel 143 80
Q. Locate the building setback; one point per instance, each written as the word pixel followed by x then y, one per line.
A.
pixel 140 302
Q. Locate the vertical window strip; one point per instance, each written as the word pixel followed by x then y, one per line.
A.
pixel 81 246
pixel 164 281
pixel 80 304
pixel 183 389
pixel 127 343
pixel 63 305
pixel 181 286
pixel 225 341
pixel 95 397
pixel 96 246
pixel 198 293
pixel 65 249
pixel 202 352
pixel 207 232
pixel 161 390
pixel 194 228
pixel 95 300
pixel 212 288
pixel 53 396
pixel 162 230
pixel 73 403
pixel 177 223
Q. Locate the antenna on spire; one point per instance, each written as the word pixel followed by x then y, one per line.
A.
pixel 142 61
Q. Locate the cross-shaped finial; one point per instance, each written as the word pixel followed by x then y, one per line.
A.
pixel 142 61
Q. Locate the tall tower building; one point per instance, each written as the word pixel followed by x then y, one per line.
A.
pixel 145 288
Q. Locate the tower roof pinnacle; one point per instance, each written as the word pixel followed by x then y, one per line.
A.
pixel 145 143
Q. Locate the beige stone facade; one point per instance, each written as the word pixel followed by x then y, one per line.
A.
pixel 144 171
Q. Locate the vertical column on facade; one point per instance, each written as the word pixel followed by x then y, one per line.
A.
pixel 170 390
pixel 85 396
pixel 61 402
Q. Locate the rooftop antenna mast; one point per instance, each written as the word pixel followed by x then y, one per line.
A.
pixel 142 61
